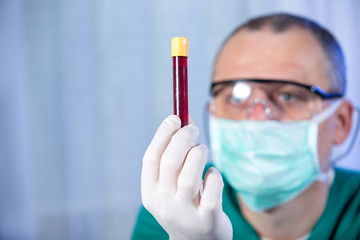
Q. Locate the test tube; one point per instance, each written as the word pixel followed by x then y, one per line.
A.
pixel 179 54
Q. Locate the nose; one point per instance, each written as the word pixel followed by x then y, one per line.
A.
pixel 259 111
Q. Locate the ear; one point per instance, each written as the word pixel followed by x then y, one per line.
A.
pixel 343 122
pixel 210 107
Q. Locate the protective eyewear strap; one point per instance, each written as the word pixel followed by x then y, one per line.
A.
pixel 327 112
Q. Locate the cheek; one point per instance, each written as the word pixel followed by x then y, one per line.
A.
pixel 325 139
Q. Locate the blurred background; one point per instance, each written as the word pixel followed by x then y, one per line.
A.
pixel 84 85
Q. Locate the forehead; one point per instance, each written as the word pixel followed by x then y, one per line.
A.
pixel 293 55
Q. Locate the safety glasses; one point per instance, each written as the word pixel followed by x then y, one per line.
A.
pixel 279 99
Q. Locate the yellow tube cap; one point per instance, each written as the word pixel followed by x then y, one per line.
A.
pixel 179 47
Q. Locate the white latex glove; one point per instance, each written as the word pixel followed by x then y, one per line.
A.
pixel 171 182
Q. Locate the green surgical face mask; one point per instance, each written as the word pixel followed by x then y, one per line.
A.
pixel 268 163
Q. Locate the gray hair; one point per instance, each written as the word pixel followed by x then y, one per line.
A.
pixel 282 22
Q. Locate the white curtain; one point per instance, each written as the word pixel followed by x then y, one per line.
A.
pixel 85 83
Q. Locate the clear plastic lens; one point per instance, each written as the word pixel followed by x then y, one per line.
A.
pixel 281 101
pixel 241 92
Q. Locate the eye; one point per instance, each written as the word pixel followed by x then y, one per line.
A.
pixel 233 99
pixel 287 97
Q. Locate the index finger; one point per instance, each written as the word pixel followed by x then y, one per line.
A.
pixel 151 159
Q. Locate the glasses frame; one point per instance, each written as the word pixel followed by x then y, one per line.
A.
pixel 314 89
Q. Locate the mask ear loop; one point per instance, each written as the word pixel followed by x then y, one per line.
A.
pixel 352 140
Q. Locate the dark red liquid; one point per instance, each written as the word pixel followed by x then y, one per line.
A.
pixel 180 89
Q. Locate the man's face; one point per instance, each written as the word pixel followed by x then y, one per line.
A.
pixel 293 55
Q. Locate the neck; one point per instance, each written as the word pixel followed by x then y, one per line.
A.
pixel 292 220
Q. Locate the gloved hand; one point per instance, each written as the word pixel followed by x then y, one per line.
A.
pixel 172 180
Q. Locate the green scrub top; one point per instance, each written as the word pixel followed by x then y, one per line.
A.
pixel 340 219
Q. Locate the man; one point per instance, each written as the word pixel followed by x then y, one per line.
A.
pixel 276 111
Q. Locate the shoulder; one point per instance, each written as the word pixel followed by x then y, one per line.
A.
pixel 350 177
pixel 344 204
pixel 346 186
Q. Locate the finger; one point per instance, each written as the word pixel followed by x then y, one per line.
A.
pixel 174 156
pixel 191 121
pixel 151 159
pixel 190 177
pixel 211 199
